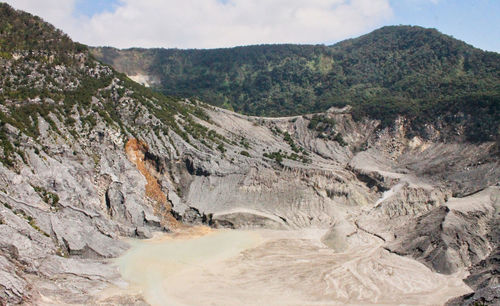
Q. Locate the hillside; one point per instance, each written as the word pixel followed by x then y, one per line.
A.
pixel 75 170
pixel 399 70
pixel 91 162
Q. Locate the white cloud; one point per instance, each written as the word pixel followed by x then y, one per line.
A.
pixel 57 12
pixel 214 23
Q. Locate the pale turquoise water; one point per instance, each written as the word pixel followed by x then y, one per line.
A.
pixel 151 264
pixel 258 267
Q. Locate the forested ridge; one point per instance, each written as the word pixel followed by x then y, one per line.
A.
pixel 396 70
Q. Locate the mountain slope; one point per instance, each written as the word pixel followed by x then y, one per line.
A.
pixel 74 176
pixel 90 157
pixel 399 70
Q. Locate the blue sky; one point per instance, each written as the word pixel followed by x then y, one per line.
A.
pixel 92 7
pixel 225 23
pixel 477 22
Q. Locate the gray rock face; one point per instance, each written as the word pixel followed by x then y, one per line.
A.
pixel 486 273
pixel 483 296
pixel 102 196
pixel 84 238
pixel 193 216
pixel 101 201
pixel 452 236
pixel 15 288
pixel 241 218
pixel 115 202
pixel 65 206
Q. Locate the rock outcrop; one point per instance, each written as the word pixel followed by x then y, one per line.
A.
pixel 454 235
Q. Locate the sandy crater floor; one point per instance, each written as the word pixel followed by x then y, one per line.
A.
pixel 263 267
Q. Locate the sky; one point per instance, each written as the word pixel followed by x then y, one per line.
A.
pixel 227 23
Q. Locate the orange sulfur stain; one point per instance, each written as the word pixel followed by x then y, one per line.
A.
pixel 135 150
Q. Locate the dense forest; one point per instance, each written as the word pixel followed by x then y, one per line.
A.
pixel 407 70
pixel 18 33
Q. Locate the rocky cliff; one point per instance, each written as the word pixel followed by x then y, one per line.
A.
pixel 90 157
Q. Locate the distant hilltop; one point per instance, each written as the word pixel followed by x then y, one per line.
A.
pixel 396 70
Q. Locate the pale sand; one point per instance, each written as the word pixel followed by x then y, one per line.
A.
pixel 263 267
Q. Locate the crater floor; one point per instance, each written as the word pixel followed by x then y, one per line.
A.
pixel 202 266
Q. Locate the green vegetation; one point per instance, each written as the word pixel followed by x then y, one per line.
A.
pixel 295 148
pixel 420 73
pixel 245 153
pixel 48 197
pixel 338 138
pixel 244 143
pixel 399 70
pixel 31 222
pixel 321 123
pixel 166 108
pixel 6 146
pixel 325 127
pixel 22 31
pixel 43 74
pixel 278 156
pixel 221 148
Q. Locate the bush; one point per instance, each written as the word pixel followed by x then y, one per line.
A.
pixel 338 138
pixel 221 148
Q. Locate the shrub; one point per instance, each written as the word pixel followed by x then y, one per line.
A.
pixel 221 147
pixel 338 138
